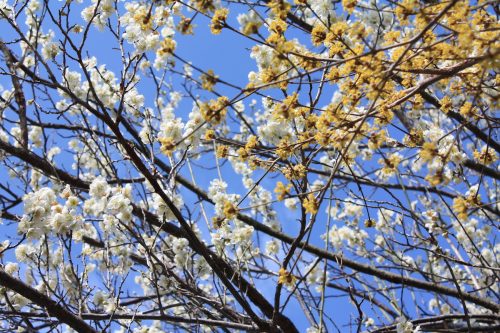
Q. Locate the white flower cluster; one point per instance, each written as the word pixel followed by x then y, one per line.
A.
pixel 6 9
pixel 50 49
pixel 352 211
pixel 316 276
pixel 354 238
pixel 161 206
pixel 373 19
pixel 105 86
pixel 170 126
pixel 139 24
pixel 385 221
pixel 404 326
pixel 471 230
pixel 103 300
pixel 98 191
pixel 238 234
pixel 217 193
pixel 270 130
pixel 99 12
pixel 119 205
pixel 13 298
pixel 115 202
pixel 142 39
pixel 259 197
pixel 320 10
pixel 44 215
pixel 180 247
pixel 35 36
pixel 193 130
pixel 133 101
pixel 272 247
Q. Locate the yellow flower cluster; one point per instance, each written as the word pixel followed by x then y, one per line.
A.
pixel 185 26
pixel 144 19
pixel 286 278
pixel 219 20
pixel 204 6
pixel 297 171
pixel 486 156
pixel 244 152
pixel 215 110
pixel 390 164
pixel 279 8
pixel 462 205
pixel 222 151
pixel 429 151
pixel 377 139
pixel 208 80
pixel 287 109
pixel 310 204
pixel 349 5
pixel 282 191
pixel 415 138
pixel 167 47
pixel 167 145
pixel 230 210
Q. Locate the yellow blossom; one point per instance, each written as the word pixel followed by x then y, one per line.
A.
pixel 467 110
pixel 437 178
pixel 286 110
pixel 384 116
pixel 251 142
pixel 460 207
pixel 377 139
pixel 185 26
pixel 279 8
pixel 204 6
pixel 284 149
pixel 310 204
pixel 278 26
pixel 415 138
pixel 143 17
pixel 219 20
pixel 487 155
pixel 167 145
pixel 222 151
pixel 167 47
pixel 217 221
pixel 209 80
pixel 298 171
pixel 349 5
pixel 242 153
pixel 209 134
pixel 286 278
pixel 282 191
pixel 390 164
pixel 318 34
pixel 215 110
pixel 428 151
pixel 446 104
pixel 230 210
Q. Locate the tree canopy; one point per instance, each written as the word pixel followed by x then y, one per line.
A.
pixel 249 165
